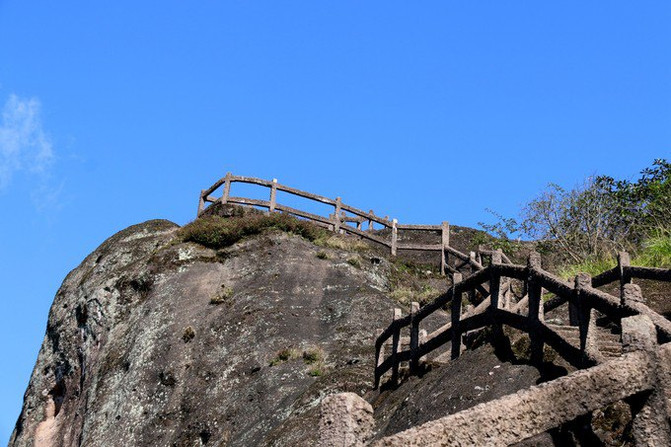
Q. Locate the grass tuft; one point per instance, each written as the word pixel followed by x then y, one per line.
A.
pixel 284 355
pixel 422 295
pixel 656 251
pixel 354 262
pixel 348 243
pixel 218 232
pixel 591 266
pixel 313 355
pixel 188 334
pixel 221 297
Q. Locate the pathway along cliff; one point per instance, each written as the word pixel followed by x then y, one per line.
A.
pixel 154 341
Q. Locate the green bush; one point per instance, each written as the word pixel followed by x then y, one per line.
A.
pixel 218 232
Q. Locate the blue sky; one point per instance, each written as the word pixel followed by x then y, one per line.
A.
pixel 431 111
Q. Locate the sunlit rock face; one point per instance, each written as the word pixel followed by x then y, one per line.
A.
pixel 152 341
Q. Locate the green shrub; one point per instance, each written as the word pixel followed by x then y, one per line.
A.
pixel 218 232
pixel 322 255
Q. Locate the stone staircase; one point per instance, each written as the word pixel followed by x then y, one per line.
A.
pixel 609 344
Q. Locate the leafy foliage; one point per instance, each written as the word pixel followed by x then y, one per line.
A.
pixel 597 218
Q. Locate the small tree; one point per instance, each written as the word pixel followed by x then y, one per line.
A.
pixel 598 217
pixel 584 221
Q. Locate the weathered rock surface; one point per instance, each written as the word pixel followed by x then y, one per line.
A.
pixel 136 354
pixel 155 342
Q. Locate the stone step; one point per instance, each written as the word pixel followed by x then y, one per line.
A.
pixel 608 343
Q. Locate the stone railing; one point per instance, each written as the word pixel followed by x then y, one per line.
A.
pixel 642 376
pixel 346 219
pixel 527 315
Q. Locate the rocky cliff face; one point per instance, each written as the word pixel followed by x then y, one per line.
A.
pixel 151 341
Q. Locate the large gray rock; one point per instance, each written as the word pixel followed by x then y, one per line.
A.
pixel 136 354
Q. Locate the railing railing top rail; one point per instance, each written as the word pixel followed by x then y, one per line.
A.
pixel 582 296
pixel 343 215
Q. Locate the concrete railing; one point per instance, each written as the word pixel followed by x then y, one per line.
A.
pixel 345 219
pixel 582 297
pixel 642 376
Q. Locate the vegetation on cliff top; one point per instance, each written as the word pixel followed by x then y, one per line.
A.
pixel 593 221
pixel 219 232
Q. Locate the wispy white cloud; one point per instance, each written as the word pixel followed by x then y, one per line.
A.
pixel 24 145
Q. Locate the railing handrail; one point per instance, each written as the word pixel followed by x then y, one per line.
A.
pixel 582 296
pixel 338 221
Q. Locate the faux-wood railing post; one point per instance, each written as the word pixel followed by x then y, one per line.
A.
pixel 336 215
pixel 379 358
pixel 623 262
pixel 471 260
pixel 650 411
pixel 227 188
pixel 495 281
pixel 586 319
pixel 273 196
pixel 414 337
pixel 445 241
pixel 495 299
pixel 395 345
pixel 535 314
pixel 394 236
pixel 201 203
pixel 455 316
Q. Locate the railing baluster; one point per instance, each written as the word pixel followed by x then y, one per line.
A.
pixel 273 196
pixel 414 337
pixel 445 242
pixel 623 263
pixel 227 188
pixel 395 345
pixel 394 236
pixel 379 358
pixel 336 216
pixel 586 320
pixel 535 315
pixel 455 316
pixel 201 203
pixel 471 269
pixel 495 281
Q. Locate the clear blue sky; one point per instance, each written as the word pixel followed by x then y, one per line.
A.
pixel 424 111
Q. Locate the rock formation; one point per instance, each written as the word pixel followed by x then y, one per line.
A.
pixel 154 341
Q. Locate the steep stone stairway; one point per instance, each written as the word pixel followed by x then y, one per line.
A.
pixel 609 344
